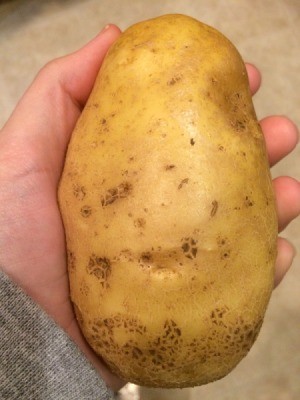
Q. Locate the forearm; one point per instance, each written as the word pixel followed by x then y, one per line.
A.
pixel 38 359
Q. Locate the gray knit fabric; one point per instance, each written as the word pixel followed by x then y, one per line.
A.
pixel 38 360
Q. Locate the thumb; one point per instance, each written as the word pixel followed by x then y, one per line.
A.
pixel 40 126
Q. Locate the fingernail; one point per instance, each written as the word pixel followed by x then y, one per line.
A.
pixel 294 250
pixel 285 257
pixel 105 28
pixel 290 251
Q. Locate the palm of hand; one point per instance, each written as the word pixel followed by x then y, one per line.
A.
pixel 33 235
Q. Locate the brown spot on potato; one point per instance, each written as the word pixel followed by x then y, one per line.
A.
pixel 104 125
pixel 225 250
pixel 192 142
pixel 248 202
pixel 225 255
pixel 136 352
pixel 100 267
pixel 194 251
pixel 71 260
pixel 125 255
pixel 140 223
pixel 169 167
pixel 171 330
pixel 84 288
pixel 174 80
pixel 214 208
pixel 221 241
pixel 239 125
pixel 119 192
pixel 146 257
pixel 189 247
pixel 217 315
pixel 79 191
pixel 183 182
pixel 86 211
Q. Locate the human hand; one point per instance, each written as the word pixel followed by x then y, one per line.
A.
pixel 32 149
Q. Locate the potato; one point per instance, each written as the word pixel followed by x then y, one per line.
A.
pixel 168 207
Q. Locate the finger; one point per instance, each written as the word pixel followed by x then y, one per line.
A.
pixel 281 136
pixel 285 256
pixel 65 82
pixel 45 116
pixel 287 192
pixel 254 77
pixel 86 63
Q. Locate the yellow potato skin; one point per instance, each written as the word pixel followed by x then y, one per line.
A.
pixel 168 207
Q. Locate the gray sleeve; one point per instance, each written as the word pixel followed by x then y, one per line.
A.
pixel 38 359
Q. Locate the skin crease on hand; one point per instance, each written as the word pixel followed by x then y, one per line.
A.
pixel 33 143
